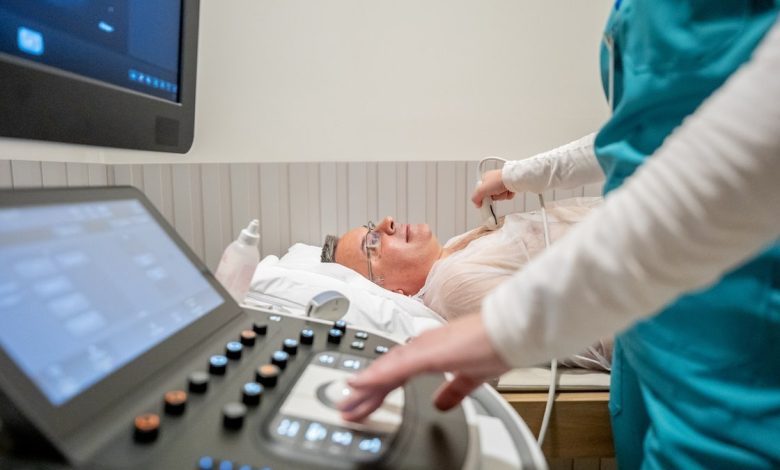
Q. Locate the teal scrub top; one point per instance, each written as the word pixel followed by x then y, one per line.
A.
pixel 696 385
pixel 669 56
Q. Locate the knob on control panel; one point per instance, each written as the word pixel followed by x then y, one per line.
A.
pixel 248 337
pixel 233 350
pixel 290 346
pixel 307 336
pixel 280 358
pixel 175 402
pixel 251 393
pixel 260 328
pixel 340 325
pixel 267 375
pixel 198 382
pixel 218 364
pixel 147 427
pixel 334 336
pixel 233 415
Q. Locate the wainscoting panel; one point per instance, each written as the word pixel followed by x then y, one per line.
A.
pixel 5 174
pixel 208 204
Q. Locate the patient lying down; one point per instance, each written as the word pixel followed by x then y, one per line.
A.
pixel 452 279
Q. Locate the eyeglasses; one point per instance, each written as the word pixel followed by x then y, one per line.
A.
pixel 371 243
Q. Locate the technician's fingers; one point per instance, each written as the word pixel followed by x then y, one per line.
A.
pixel 477 196
pixel 357 410
pixel 453 392
pixel 492 185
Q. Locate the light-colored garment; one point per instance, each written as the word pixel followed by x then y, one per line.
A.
pixel 566 167
pixel 457 284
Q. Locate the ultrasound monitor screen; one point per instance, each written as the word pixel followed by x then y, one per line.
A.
pixel 132 44
pixel 87 287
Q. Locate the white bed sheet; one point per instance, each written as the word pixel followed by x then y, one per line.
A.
pixel 299 275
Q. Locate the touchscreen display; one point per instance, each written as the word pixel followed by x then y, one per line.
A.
pixel 87 287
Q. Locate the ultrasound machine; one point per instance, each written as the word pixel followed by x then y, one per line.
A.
pixel 119 350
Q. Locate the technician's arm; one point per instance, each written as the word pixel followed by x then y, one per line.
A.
pixel 706 201
pixel 565 167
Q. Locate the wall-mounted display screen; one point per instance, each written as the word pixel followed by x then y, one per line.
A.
pixel 111 73
pixel 130 44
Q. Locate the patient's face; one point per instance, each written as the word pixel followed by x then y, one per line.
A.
pixel 404 256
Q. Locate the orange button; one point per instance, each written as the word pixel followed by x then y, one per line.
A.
pixel 175 402
pixel 147 427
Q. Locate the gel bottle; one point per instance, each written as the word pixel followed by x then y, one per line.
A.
pixel 239 261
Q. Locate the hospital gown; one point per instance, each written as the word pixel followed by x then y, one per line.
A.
pixel 457 284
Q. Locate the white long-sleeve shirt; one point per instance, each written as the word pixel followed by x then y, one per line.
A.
pixel 565 167
pixel 707 200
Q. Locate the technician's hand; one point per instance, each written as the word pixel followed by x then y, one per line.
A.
pixel 492 185
pixel 461 347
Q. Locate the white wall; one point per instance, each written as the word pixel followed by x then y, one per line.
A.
pixel 380 80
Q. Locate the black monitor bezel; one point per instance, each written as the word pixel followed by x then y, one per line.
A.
pixel 39 102
pixel 58 422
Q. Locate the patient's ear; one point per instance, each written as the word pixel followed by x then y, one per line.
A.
pixel 400 291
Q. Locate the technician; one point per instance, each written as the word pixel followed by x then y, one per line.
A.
pixel 683 259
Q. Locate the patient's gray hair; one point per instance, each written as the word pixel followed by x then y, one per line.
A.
pixel 329 249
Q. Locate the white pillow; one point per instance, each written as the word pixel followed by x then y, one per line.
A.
pixel 299 275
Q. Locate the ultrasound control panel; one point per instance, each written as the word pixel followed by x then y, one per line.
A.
pixel 119 350
pixel 262 396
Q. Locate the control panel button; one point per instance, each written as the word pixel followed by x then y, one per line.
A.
pixel 339 442
pixel 290 346
pixel 327 359
pixel 361 335
pixel 226 465
pixel 205 463
pixel 248 337
pixel 233 350
pixel 251 393
pixel 340 325
pixel 315 435
pixel 233 415
pixel 275 317
pixel 267 375
pixel 218 364
pixel 279 359
pixel 260 328
pixel 359 345
pixel 334 336
pixel 381 349
pixel 198 382
pixel 351 363
pixel 175 402
pixel 147 427
pixel 286 429
pixel 368 446
pixel 307 336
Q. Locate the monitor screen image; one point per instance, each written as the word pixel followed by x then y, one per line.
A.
pixel 130 44
pixel 108 73
pixel 88 287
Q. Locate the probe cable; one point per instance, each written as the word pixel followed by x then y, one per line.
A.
pixel 554 363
